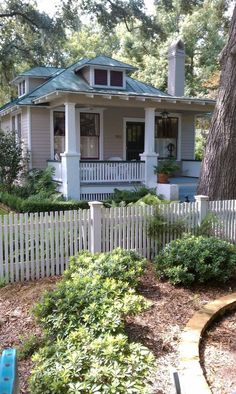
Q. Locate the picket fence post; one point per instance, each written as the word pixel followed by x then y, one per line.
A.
pixel 96 226
pixel 203 207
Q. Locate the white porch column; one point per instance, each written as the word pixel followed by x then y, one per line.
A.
pixel 70 159
pixel 149 155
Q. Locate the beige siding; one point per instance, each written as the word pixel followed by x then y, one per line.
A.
pixel 40 137
pixel 187 137
pixel 114 129
pixel 24 127
pixel 34 82
pixel 6 123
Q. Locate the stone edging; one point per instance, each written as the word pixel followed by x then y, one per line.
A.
pixel 192 377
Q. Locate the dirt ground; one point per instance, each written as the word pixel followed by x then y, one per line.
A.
pixel 159 328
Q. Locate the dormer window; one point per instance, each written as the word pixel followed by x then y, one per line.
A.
pixel 116 78
pixel 109 78
pixel 100 77
pixel 21 88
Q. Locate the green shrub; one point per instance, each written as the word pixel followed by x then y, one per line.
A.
pixel 34 205
pixel 84 364
pixel 127 196
pixel 83 318
pixel 120 264
pixel 29 346
pixel 196 259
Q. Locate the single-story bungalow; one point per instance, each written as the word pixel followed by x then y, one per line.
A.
pixel 101 129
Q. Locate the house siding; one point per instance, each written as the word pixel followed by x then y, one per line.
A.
pixel 5 123
pixel 187 137
pixel 35 82
pixel 40 137
pixel 114 132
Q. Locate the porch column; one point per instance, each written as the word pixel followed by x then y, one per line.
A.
pixel 70 159
pixel 149 155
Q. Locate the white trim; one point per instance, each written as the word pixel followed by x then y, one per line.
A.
pixel 29 135
pixel 125 120
pixel 108 69
pixel 179 140
pixel 52 134
pixel 99 111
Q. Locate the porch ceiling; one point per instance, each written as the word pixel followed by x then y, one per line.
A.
pixel 174 104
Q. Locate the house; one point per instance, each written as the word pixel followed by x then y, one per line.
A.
pixel 100 128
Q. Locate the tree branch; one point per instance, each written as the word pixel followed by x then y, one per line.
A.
pixel 18 13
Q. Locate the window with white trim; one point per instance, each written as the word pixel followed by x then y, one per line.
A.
pixel 16 125
pixel 90 134
pixel 21 88
pixel 109 78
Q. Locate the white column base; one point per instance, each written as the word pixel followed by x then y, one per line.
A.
pixel 150 178
pixel 169 192
pixel 71 175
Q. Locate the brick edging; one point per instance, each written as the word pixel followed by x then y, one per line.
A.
pixel 192 377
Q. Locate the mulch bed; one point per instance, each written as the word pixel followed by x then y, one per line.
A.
pixel 218 351
pixel 159 328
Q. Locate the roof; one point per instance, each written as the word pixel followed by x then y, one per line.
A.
pixel 67 80
pixel 41 71
pixel 106 61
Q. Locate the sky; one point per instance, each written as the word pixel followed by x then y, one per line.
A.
pixel 49 6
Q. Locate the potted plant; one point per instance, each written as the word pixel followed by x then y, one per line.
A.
pixel 164 169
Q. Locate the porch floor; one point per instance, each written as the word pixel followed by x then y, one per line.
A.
pixel 187 187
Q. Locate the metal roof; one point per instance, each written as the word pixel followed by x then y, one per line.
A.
pixel 102 60
pixel 40 72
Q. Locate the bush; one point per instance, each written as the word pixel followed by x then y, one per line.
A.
pixel 196 259
pixel 128 196
pixel 83 319
pixel 30 205
pixel 84 364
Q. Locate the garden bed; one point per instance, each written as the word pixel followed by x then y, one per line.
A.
pixel 158 328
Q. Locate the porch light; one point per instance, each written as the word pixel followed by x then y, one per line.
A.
pixel 164 115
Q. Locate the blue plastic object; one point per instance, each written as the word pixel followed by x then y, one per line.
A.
pixel 8 372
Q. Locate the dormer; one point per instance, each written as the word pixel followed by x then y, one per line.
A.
pixel 104 72
pixel 29 80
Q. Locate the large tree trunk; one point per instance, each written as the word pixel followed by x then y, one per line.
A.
pixel 218 172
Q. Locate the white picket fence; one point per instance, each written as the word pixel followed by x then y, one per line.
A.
pixel 34 246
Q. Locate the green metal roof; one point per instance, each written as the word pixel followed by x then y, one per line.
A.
pixel 109 62
pixel 40 72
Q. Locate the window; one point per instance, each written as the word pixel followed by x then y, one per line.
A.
pixel 100 77
pixel 13 123
pixel 21 88
pixel 59 133
pixel 90 132
pixel 116 78
pixel 166 137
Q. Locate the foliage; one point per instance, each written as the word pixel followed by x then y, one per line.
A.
pixel 196 259
pixel 150 199
pixel 83 317
pixel 84 364
pixel 168 167
pixel 19 204
pixel 29 346
pixel 159 225
pixel 11 160
pixel 38 183
pixel 128 196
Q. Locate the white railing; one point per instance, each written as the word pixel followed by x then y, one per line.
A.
pixel 57 168
pixel 111 171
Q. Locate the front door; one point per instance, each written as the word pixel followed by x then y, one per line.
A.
pixel 134 140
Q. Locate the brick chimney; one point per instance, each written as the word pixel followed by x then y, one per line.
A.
pixel 176 68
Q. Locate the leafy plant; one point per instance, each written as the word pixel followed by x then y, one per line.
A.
pixel 168 167
pixel 196 259
pixel 84 364
pixel 160 225
pixel 11 159
pixel 124 197
pixel 84 322
pixel 29 346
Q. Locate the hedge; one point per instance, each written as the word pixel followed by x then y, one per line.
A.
pixel 20 205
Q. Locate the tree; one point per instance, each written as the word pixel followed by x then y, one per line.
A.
pixel 218 175
pixel 12 162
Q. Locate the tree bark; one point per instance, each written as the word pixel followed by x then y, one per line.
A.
pixel 218 172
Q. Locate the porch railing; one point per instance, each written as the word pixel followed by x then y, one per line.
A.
pixel 111 171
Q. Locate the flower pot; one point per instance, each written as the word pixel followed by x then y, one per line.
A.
pixel 163 178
